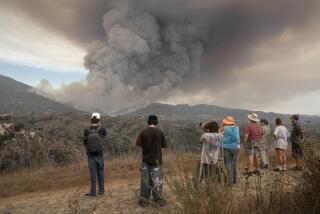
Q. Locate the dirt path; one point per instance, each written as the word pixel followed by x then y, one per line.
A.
pixel 121 197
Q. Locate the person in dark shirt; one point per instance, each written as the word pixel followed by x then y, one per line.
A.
pixel 296 139
pixel 93 137
pixel 151 140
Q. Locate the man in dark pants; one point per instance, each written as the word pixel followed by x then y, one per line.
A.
pixel 93 137
pixel 151 140
pixel 296 139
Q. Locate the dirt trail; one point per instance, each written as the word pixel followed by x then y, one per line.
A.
pixel 120 197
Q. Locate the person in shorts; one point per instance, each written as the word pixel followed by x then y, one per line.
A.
pixel 296 140
pixel 252 138
pixel 211 142
pixel 281 135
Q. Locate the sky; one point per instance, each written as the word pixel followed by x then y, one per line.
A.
pixel 113 55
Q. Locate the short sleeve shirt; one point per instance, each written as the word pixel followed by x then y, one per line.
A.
pixel 281 133
pixel 297 132
pixel 211 143
pixel 254 131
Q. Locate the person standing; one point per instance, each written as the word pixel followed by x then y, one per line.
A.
pixel 281 135
pixel 296 139
pixel 151 140
pixel 211 142
pixel 231 147
pixel 93 137
pixel 252 138
pixel 265 143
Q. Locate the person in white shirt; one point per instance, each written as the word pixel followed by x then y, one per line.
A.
pixel 281 135
pixel 265 143
pixel 211 142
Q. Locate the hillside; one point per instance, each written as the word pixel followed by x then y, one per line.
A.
pixel 207 112
pixel 16 97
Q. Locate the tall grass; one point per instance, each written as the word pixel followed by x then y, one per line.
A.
pixel 292 192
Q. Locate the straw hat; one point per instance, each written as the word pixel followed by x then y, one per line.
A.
pixel 253 117
pixel 229 121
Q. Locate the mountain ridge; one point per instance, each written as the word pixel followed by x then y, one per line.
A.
pixel 205 111
pixel 16 98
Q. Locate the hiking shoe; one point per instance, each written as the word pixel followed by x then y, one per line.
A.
pixel 257 172
pixel 142 203
pixel 90 195
pixel 297 168
pixel 248 174
pixel 161 203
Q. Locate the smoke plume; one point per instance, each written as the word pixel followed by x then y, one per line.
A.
pixel 151 50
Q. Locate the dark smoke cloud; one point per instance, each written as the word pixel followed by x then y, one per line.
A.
pixel 238 51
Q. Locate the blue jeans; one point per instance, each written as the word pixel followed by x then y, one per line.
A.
pixel 230 159
pixel 151 181
pixel 96 168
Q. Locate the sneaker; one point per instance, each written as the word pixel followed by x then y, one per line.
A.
pixel 266 166
pixel 142 203
pixel 101 193
pixel 90 195
pixel 277 170
pixel 284 168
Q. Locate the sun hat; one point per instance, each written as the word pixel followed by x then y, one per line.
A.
pixel 229 121
pixel 253 117
pixel 95 115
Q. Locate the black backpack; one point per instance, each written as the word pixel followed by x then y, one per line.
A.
pixel 94 141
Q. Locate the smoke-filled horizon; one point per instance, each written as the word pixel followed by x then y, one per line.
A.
pixel 249 54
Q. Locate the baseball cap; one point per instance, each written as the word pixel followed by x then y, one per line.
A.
pixel 95 115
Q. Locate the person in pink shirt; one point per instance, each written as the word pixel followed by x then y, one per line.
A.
pixel 252 139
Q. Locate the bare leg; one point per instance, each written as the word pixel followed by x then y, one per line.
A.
pixel 256 161
pixel 279 157
pixel 250 163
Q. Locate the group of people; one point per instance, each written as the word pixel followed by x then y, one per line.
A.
pixel 217 142
pixel 258 139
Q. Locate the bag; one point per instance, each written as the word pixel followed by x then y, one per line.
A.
pixel 94 141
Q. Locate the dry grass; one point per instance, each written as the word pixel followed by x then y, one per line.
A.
pixel 292 192
pixel 76 175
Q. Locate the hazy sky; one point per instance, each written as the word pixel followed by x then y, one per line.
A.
pixel 238 53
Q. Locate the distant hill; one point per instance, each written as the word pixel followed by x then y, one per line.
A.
pixel 16 97
pixel 209 112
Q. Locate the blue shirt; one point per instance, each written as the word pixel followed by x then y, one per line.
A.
pixel 231 138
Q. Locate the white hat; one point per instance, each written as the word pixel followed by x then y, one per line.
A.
pixel 253 117
pixel 96 115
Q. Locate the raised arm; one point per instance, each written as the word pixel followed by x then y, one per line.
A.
pixel 164 143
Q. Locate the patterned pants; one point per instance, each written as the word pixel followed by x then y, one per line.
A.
pixel 151 181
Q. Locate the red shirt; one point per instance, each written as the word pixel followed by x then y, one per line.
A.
pixel 254 131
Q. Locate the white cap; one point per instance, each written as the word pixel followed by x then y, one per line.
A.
pixel 96 115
